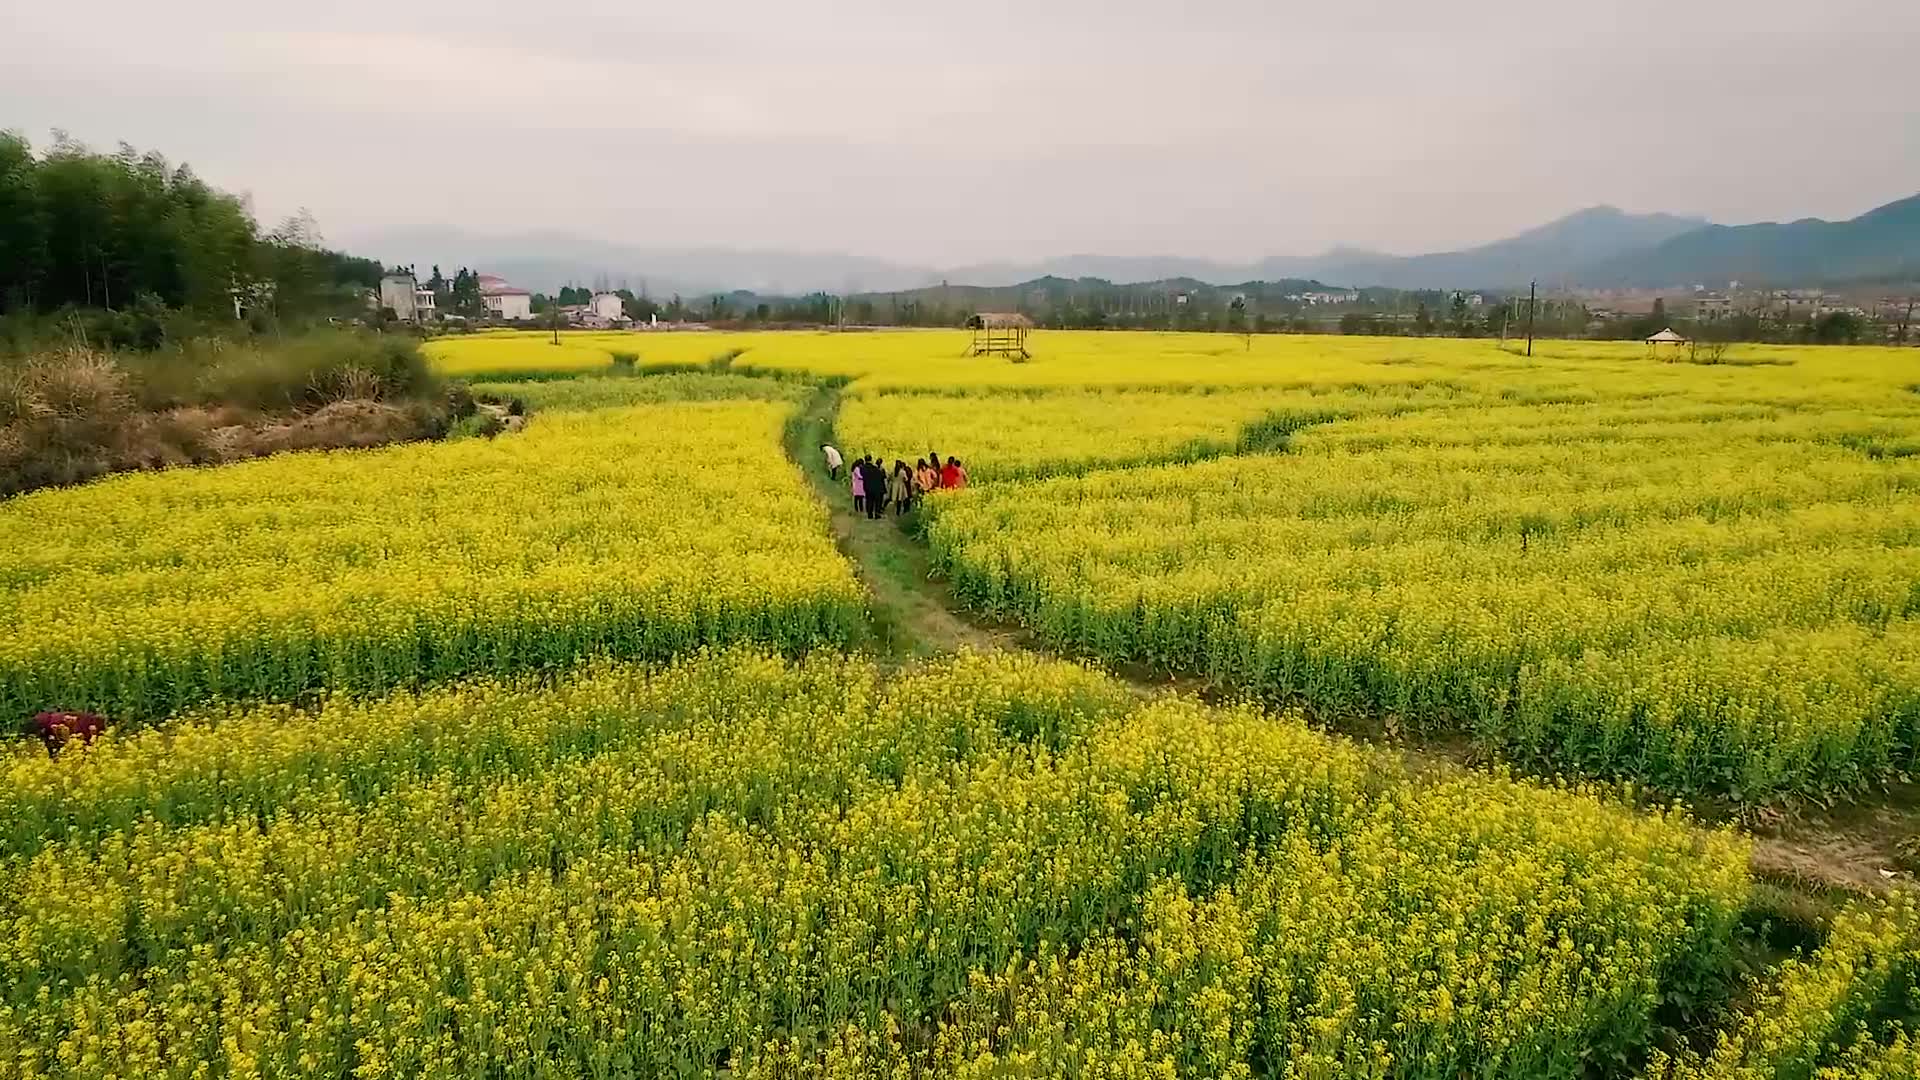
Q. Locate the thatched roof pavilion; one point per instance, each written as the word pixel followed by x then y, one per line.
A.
pixel 1002 333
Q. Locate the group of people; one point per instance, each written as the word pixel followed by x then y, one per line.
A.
pixel 875 488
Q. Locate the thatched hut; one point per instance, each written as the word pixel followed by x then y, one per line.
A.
pixel 1001 333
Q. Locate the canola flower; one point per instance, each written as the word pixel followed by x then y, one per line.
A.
pixel 1699 578
pixel 1899 1059
pixel 1832 1015
pixel 996 866
pixel 636 532
pixel 1014 434
pixel 939 360
pixel 990 866
pixel 516 356
pixel 531 355
pixel 1593 560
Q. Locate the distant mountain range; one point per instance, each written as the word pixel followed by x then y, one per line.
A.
pixel 1881 244
pixel 1600 246
pixel 1549 251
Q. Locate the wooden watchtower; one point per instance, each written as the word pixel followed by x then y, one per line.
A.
pixel 1000 333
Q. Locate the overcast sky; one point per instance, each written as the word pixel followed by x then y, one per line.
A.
pixel 940 134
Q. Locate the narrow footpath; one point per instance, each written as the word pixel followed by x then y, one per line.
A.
pixel 913 613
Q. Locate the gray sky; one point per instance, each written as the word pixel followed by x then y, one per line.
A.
pixel 940 134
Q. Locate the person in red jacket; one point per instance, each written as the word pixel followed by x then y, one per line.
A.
pixel 953 475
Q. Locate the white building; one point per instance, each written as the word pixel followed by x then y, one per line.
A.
pixel 608 306
pixel 504 301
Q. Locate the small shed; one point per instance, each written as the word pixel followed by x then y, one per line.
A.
pixel 1000 333
pixel 1666 337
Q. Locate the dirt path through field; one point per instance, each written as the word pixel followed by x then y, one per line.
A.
pixel 913 613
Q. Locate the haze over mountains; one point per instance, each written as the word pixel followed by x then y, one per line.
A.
pixel 1881 244
pixel 1597 247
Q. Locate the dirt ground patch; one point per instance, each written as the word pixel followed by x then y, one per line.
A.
pixel 1868 845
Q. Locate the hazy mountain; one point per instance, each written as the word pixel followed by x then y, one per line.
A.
pixel 1597 246
pixel 1550 252
pixel 1553 252
pixel 1881 243
pixel 1055 291
pixel 545 261
pixel 1116 268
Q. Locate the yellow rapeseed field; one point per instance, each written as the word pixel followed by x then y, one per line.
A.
pixel 638 531
pixel 1833 1015
pixel 1697 576
pixel 530 354
pixel 1591 559
pixel 517 355
pixel 997 866
pixel 542 756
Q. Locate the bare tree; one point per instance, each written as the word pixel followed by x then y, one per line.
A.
pixel 1708 346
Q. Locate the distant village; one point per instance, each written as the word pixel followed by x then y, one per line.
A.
pixel 405 298
pixel 1732 311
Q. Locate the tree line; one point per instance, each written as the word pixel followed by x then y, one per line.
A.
pixel 133 242
pixel 1281 307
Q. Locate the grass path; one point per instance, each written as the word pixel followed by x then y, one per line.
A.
pixel 913 613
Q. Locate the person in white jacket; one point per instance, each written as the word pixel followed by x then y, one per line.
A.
pixel 833 459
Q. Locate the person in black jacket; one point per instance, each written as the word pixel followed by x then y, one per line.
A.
pixel 875 482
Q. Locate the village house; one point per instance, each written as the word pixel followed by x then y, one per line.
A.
pixel 504 301
pixel 608 309
pixel 1710 306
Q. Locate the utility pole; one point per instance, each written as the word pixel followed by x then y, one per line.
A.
pixel 1532 298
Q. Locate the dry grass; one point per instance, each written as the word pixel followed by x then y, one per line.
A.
pixel 73 414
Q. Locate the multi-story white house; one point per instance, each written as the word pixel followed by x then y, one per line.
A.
pixel 608 306
pixel 504 301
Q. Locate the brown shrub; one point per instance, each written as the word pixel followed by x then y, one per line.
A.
pixel 80 384
pixel 72 415
pixel 63 418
